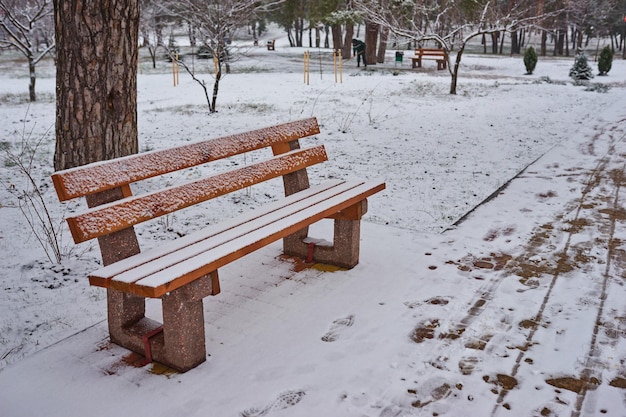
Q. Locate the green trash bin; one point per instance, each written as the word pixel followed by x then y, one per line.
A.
pixel 399 56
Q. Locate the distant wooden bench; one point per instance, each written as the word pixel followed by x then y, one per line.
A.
pixel 271 44
pixel 184 271
pixel 435 54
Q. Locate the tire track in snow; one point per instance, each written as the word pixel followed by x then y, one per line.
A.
pixel 594 180
pixel 618 177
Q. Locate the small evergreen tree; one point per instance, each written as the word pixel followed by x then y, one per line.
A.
pixel 581 69
pixel 605 60
pixel 530 60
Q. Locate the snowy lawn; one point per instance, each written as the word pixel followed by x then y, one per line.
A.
pixel 517 310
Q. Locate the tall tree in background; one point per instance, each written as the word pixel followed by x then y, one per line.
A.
pixel 151 25
pixel 97 50
pixel 215 22
pixel 28 26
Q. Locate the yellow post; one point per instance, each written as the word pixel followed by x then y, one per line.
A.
pixel 340 67
pixel 307 57
pixel 175 68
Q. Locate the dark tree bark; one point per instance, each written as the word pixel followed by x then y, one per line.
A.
pixel 97 50
pixel 371 40
pixel 382 45
pixel 347 44
pixel 336 33
pixel 494 42
pixel 299 30
pixel 515 43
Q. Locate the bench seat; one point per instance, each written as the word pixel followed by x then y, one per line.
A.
pixel 156 272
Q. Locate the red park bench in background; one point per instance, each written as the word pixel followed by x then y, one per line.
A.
pixel 184 271
pixel 438 55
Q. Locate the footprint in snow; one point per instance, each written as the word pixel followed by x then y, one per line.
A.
pixel 283 400
pixel 337 328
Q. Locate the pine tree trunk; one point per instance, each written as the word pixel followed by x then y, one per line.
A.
pixel 382 45
pixel 371 38
pixel 97 50
pixel 336 33
pixel 347 44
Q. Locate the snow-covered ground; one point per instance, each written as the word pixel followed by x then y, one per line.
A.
pixel 518 310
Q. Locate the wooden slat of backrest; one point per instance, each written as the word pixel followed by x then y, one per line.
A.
pixel 422 51
pixel 99 176
pixel 108 218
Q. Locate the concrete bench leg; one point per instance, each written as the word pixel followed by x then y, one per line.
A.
pixel 183 323
pixel 181 344
pixel 346 240
pixel 124 310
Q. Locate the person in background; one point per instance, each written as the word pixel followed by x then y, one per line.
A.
pixel 358 49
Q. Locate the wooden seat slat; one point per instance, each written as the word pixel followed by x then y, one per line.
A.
pixel 101 276
pixel 118 215
pixel 135 269
pixel 214 257
pixel 93 178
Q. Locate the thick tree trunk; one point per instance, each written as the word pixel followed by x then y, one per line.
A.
pixel 336 33
pixel 382 45
pixel 96 83
pixel 515 43
pixel 371 38
pixel 347 44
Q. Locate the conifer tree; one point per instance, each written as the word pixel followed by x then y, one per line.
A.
pixel 605 60
pixel 530 60
pixel 581 69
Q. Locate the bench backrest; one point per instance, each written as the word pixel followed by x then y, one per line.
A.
pixel 430 51
pixel 113 208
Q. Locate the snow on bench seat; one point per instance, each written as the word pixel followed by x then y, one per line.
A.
pixel 154 274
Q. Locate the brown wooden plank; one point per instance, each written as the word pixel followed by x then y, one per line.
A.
pixel 245 247
pixel 99 176
pixel 108 218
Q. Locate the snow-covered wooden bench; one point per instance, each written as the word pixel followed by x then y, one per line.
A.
pixel 184 271
pixel 438 55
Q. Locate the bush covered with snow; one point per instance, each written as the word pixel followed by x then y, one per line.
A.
pixel 581 69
